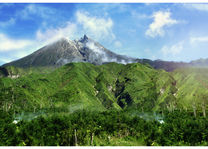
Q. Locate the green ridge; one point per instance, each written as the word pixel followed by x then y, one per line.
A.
pixel 86 86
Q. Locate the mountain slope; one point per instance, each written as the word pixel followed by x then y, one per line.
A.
pixel 87 86
pixel 100 87
pixel 65 51
pixel 85 49
pixel 192 88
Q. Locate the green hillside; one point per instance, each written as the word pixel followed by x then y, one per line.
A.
pixel 110 104
pixel 87 86
pixel 192 88
pixel 103 87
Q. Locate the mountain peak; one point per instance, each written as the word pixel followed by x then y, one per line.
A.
pixel 64 39
pixel 84 39
pixel 85 36
pixel 65 51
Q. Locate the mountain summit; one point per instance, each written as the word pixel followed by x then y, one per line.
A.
pixel 86 49
pixel 65 51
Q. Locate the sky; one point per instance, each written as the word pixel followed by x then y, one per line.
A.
pixel 172 32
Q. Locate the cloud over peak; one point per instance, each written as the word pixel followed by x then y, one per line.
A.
pixel 96 27
pixel 53 34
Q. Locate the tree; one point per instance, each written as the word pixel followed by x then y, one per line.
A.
pixel 204 103
pixel 194 104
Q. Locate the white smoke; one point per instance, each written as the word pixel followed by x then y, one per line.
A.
pixel 100 53
pixel 62 61
pixel 94 48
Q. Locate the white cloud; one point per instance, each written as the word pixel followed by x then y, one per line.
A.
pixel 199 39
pixel 53 34
pixel 172 50
pixel 22 47
pixel 8 44
pixel 161 20
pixel 200 7
pixel 98 28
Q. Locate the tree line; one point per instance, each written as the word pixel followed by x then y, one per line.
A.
pixel 86 128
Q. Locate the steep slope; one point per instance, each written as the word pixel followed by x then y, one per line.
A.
pixel 86 86
pixel 192 88
pixel 65 51
pixel 99 87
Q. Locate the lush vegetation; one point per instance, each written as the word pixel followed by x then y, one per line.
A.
pixel 83 85
pixel 192 89
pixel 110 104
pixel 104 128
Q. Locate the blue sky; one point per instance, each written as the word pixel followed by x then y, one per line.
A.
pixel 174 32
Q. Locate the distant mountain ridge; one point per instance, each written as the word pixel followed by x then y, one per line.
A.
pixel 200 62
pixel 86 49
pixel 172 65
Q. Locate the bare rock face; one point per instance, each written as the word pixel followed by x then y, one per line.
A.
pixel 65 51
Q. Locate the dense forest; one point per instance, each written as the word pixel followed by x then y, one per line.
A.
pixel 107 128
pixel 107 105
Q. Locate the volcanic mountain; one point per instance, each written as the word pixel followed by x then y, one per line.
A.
pixel 65 51
pixel 91 85
pixel 86 49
